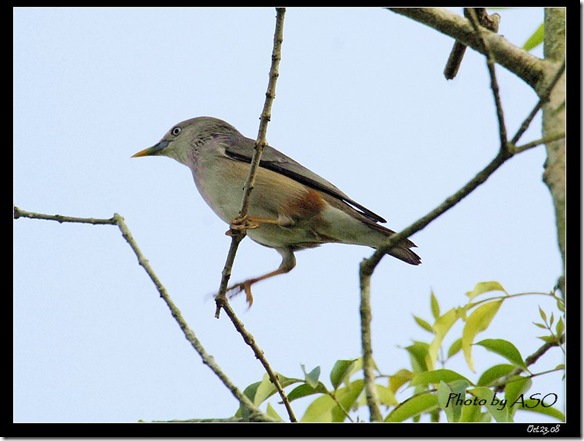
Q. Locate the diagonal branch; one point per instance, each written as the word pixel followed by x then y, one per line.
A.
pixel 530 360
pixel 255 413
pixel 496 49
pixel 250 341
pixel 544 97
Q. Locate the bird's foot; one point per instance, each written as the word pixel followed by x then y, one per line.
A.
pixel 241 224
pixel 232 291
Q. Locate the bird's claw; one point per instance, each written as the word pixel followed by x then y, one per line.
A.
pixel 237 288
pixel 240 224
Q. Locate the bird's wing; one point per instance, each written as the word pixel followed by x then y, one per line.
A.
pixel 278 162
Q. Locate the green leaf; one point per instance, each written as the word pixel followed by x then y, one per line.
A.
pixel 504 348
pixel 548 338
pixel 486 395
pixel 441 328
pixel 483 287
pixel 494 373
pixel 398 379
pixel 272 412
pixel 249 392
pixel 386 396
pixel 341 370
pixel 461 312
pixel 320 410
pixel 540 325
pixel 434 377
pixel 434 306
pixel 347 396
pixel 306 389
pixel 542 314
pixel 443 392
pixel 312 377
pixel 325 408
pixel 535 39
pixel 560 327
pixel 423 324
pixel 472 414
pixel 535 406
pixel 418 352
pixel 266 388
pixel 416 405
pixel 451 398
pixel 455 348
pixel 478 321
pixel 551 319
pixel 516 386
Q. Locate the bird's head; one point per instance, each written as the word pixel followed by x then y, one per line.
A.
pixel 185 139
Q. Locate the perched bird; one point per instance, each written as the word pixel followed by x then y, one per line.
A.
pixel 291 208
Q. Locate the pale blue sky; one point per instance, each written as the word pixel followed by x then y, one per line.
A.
pixel 361 100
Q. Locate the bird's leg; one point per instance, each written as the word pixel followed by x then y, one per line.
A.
pixel 287 264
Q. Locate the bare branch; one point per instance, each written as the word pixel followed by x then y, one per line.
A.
pixel 371 395
pixel 537 142
pixel 526 66
pixel 529 361
pixel 207 359
pixel 238 235
pixel 544 96
pixel 250 341
pixel 368 265
pixel 494 84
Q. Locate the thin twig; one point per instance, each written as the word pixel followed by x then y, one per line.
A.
pixel 368 265
pixel 238 235
pixel 371 395
pixel 544 140
pixel 250 341
pixel 544 96
pixel 207 359
pixel 494 83
pixel 530 360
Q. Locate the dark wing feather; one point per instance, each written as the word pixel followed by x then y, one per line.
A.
pixel 278 162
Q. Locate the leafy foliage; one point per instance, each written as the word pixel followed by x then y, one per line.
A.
pixel 497 393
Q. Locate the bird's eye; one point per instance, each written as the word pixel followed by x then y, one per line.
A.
pixel 176 130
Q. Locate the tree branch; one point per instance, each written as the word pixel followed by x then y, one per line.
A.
pixel 238 235
pixel 250 341
pixel 526 66
pixel 554 119
pixel 371 395
pixel 207 359
pixel 492 74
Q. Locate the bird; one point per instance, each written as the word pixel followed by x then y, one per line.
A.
pixel 291 207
